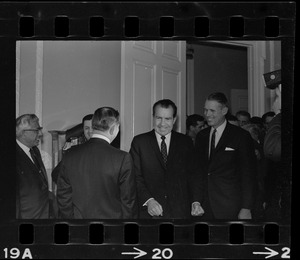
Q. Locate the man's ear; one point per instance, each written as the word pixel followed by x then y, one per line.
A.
pixel 174 119
pixel 112 129
pixel 224 110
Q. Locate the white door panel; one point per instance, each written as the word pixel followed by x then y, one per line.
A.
pixel 150 70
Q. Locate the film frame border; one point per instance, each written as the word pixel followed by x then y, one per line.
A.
pixel 183 18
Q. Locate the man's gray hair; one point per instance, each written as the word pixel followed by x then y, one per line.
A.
pixel 23 121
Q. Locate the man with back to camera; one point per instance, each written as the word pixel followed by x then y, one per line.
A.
pixel 97 180
pixel 32 182
pixel 226 156
pixel 167 181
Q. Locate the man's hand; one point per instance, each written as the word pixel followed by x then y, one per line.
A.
pixel 245 214
pixel 154 208
pixel 197 210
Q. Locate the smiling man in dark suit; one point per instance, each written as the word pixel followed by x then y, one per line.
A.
pixel 32 183
pixel 96 180
pixel 227 162
pixel 167 181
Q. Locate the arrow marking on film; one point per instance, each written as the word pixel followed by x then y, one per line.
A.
pixel 138 254
pixel 269 254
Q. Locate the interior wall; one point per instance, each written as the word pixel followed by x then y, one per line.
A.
pixel 27 77
pixel 218 69
pixel 77 78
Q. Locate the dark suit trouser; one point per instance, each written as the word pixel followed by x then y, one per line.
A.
pixel 208 215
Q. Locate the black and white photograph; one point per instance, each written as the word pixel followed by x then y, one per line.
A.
pixel 148 148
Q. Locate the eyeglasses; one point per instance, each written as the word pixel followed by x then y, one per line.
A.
pixel 35 130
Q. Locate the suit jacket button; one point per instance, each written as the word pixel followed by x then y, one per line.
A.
pixel 166 196
pixel 209 173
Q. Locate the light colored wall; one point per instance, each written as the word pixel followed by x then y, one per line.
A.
pixel 27 77
pixel 77 78
pixel 218 70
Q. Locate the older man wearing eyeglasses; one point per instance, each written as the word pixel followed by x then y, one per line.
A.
pixel 32 194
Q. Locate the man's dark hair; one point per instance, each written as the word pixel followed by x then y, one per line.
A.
pixel 87 117
pixel 231 117
pixel 192 120
pixel 165 103
pixel 104 118
pixel 219 97
pixel 268 114
pixel 243 113
pixel 256 120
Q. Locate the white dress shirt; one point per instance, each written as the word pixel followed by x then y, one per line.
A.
pixel 167 140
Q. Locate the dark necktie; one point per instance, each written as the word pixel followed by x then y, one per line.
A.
pixel 163 149
pixel 37 163
pixel 212 144
pixel 34 158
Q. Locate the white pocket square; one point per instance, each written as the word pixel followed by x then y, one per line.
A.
pixel 229 149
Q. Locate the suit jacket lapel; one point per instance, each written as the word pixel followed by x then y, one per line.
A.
pixel 207 143
pixel 221 143
pixel 24 157
pixel 173 147
pixel 156 148
pixel 43 169
pixel 30 163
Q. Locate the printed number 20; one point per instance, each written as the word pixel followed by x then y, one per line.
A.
pixel 166 253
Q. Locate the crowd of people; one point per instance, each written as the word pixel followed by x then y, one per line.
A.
pixel 225 167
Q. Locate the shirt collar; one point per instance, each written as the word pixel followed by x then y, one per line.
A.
pixel 158 136
pixel 23 146
pixel 101 137
pixel 220 128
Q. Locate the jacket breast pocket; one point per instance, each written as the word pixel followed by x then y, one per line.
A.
pixel 228 155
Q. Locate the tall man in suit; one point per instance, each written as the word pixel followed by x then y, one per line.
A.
pixel 97 180
pixel 227 162
pixel 32 183
pixel 167 181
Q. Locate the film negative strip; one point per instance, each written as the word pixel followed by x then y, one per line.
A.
pixel 34 35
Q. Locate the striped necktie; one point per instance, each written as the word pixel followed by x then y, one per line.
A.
pixel 163 149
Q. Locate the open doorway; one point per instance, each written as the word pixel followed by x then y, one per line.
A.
pixel 216 67
pixel 261 57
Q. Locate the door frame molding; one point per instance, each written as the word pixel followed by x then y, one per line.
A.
pixel 256 53
pixel 256 56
